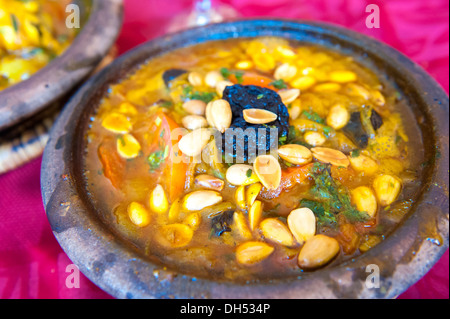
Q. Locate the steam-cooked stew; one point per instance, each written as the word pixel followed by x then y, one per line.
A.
pixel 252 159
pixel 32 33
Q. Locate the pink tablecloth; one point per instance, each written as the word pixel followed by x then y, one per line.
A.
pixel 32 265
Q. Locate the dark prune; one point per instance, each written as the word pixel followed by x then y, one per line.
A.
pixel 262 137
pixel 172 74
pixel 222 223
pixel 376 120
pixel 355 132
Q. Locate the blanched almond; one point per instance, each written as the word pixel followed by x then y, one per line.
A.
pixel 195 79
pixel 302 224
pixel 193 143
pixel 200 199
pixel 195 107
pixel 331 156
pixel 175 235
pixel 117 123
pixel 318 251
pixel 268 170
pixel 295 154
pixel 255 214
pixel 221 86
pixel 343 76
pixel 253 252
pixel 212 78
pixel 158 200
pixel 252 193
pixel 240 225
pixel 193 220
pixel 364 199
pixel 338 117
pixel 259 116
pixel 193 122
pixel 387 189
pixel 220 115
pixel 244 65
pixel 209 181
pixel 289 96
pixel 314 138
pixel 295 110
pixel 240 197
pixel 241 174
pixel 285 72
pixel 274 230
pixel 128 147
pixel 364 164
pixel 138 214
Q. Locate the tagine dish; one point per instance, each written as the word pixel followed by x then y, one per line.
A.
pixel 32 34
pixel 252 159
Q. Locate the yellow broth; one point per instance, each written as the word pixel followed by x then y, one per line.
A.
pixel 32 33
pixel 129 160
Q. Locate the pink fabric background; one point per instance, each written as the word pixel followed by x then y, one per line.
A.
pixel 32 264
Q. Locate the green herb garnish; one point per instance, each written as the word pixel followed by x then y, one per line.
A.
pixel 239 76
pixel 121 140
pixel 279 84
pixel 226 73
pixel 331 198
pixel 313 116
pixel 190 94
pixel 282 140
pixel 355 153
pixel 249 173
pixel 157 158
pixel 15 22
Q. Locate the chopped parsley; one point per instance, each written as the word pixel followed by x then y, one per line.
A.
pixel 313 116
pixel 355 153
pixel 279 84
pixel 15 22
pixel 226 73
pixel 121 140
pixel 330 198
pixel 190 94
pixel 282 140
pixel 157 158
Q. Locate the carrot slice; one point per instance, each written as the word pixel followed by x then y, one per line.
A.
pixel 113 164
pixel 289 178
pixel 174 169
pixel 250 78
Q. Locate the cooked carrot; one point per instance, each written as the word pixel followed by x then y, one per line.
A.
pixel 113 164
pixel 289 178
pixel 174 169
pixel 250 78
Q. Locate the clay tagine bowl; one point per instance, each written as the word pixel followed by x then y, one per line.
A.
pixel 402 258
pixel 101 24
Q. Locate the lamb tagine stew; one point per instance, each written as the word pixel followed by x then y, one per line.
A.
pixel 32 33
pixel 252 159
